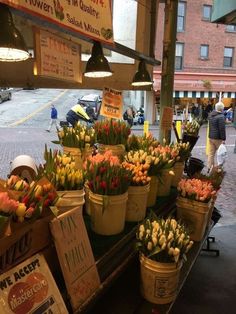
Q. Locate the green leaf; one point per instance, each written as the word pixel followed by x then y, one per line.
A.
pixel 156 251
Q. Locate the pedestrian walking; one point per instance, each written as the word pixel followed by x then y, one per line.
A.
pixel 217 134
pixel 53 120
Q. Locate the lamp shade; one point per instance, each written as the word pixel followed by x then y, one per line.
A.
pixel 12 45
pixel 142 77
pixel 97 65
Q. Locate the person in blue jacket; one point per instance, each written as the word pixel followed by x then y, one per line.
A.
pixel 53 120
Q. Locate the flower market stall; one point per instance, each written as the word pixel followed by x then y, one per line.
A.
pixel 34 216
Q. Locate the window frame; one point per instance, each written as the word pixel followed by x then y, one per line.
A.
pixel 183 17
pixel 231 58
pixel 228 30
pixel 206 18
pixel 201 56
pixel 181 57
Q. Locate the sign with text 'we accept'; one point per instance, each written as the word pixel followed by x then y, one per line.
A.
pixel 75 256
pixel 30 288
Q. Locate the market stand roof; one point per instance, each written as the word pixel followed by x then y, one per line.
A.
pixel 224 12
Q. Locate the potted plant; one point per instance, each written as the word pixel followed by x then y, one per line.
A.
pixel 8 207
pixel 108 184
pixel 183 155
pixel 112 135
pixel 77 141
pixel 135 161
pixel 68 181
pixel 193 204
pixel 190 132
pixel 163 245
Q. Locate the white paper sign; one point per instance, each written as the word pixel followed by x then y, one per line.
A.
pixel 30 288
pixel 57 57
pixel 75 256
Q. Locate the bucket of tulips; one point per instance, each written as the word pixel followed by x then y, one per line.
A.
pixel 178 168
pixel 135 161
pixel 78 141
pixel 163 245
pixel 61 171
pixel 190 132
pixel 112 135
pixel 193 205
pixel 168 156
pixel 8 207
pixel 108 184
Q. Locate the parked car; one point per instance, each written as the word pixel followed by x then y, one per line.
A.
pixel 5 94
pixel 91 100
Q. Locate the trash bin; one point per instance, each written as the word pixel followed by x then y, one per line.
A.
pixel 193 165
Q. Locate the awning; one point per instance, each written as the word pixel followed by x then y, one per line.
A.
pixel 187 94
pixel 224 11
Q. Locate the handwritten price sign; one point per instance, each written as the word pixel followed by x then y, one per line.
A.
pixel 112 103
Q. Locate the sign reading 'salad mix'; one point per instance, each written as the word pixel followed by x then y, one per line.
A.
pixel 88 17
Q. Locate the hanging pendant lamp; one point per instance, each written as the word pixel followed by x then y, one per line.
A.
pixel 12 45
pixel 142 77
pixel 97 65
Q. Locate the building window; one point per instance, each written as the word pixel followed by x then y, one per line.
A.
pixel 179 52
pixel 228 57
pixel 206 13
pixel 231 28
pixel 181 16
pixel 204 51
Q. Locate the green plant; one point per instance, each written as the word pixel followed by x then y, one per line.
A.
pixel 112 132
pixel 163 240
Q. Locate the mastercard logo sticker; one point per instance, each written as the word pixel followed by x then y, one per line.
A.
pixel 23 295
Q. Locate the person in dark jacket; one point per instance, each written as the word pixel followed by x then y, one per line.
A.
pixel 217 134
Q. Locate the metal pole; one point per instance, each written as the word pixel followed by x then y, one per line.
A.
pixel 168 63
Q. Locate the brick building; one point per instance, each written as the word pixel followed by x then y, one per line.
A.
pixel 205 62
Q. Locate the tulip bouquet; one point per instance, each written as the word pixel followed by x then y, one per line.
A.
pixel 147 142
pixel 166 154
pixel 8 207
pixel 60 170
pixel 112 132
pixel 215 177
pixel 34 202
pixel 16 183
pixel 196 189
pixel 135 161
pixel 105 174
pixel 163 240
pixel 80 136
pixel 191 128
pixel 183 149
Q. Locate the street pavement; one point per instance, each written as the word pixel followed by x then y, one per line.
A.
pixel 23 140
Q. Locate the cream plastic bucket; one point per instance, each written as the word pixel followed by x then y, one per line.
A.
pixel 159 281
pixel 164 182
pixel 108 213
pixel 70 199
pixel 178 170
pixel 25 167
pixel 137 202
pixel 152 194
pixel 117 150
pixel 195 215
pixel 87 201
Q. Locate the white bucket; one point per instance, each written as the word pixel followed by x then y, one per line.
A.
pixel 164 182
pixel 178 170
pixel 25 167
pixel 87 201
pixel 195 215
pixel 137 202
pixel 159 281
pixel 70 199
pixel 152 194
pixel 117 150
pixel 108 213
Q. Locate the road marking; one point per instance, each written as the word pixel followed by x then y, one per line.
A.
pixel 229 145
pixel 38 110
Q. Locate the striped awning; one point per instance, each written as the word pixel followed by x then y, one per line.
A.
pixel 186 94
